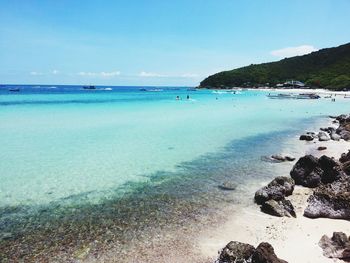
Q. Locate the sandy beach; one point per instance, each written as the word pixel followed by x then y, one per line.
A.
pixel 294 239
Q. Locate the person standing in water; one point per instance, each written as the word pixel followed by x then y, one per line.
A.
pixel 188 97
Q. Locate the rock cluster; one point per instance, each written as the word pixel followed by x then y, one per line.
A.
pixel 235 252
pixel 338 246
pixel 330 200
pixel 272 197
pixel 331 133
pixel 344 126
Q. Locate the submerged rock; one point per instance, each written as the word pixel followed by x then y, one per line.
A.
pixel 309 171
pixel 228 186
pixel 277 189
pixel 279 208
pixel 338 246
pixel 277 158
pixel 330 201
pixel 237 252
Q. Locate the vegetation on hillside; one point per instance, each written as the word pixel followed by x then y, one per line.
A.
pixel 327 68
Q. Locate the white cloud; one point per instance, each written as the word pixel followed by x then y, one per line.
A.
pixel 151 74
pixel 293 51
pixel 55 72
pixel 102 74
pixel 35 73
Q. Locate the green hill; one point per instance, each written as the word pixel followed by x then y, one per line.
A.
pixel 327 68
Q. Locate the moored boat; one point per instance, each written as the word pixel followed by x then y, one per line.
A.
pixel 89 87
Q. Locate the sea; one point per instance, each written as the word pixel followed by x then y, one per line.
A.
pixel 86 171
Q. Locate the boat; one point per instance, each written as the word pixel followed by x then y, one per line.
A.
pixel 155 90
pixel 14 89
pixel 142 89
pixel 281 96
pixel 308 96
pixel 89 87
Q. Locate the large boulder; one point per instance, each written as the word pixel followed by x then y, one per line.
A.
pixel 338 246
pixel 309 171
pixel 265 253
pixel 323 136
pixel 278 208
pixel 330 201
pixel 335 136
pixel 306 171
pixel 277 189
pixel 236 252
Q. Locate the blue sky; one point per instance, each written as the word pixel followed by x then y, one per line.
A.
pixel 158 42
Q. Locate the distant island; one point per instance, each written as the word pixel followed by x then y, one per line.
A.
pixel 327 68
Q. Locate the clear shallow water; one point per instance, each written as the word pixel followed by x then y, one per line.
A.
pixel 70 155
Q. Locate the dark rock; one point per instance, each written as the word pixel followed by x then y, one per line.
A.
pixel 342 118
pixel 345 157
pixel 310 171
pixel 328 129
pixel 289 158
pixel 330 201
pixel 322 148
pixel 228 186
pixel 278 208
pixel 265 253
pixel 236 252
pixel 277 189
pixel 306 137
pixel 306 172
pixel 331 169
pixel 323 136
pixel 346 167
pixel 336 247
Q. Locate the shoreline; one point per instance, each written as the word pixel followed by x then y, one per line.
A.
pixel 293 239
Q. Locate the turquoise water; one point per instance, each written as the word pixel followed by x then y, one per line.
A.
pixel 67 147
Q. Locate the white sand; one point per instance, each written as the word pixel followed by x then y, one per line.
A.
pixel 294 239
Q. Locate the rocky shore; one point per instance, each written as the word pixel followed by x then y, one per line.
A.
pixel 314 199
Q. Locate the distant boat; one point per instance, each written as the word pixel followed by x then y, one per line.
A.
pixel 155 90
pixel 89 87
pixel 142 89
pixel 14 89
pixel 308 96
pixel 281 96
